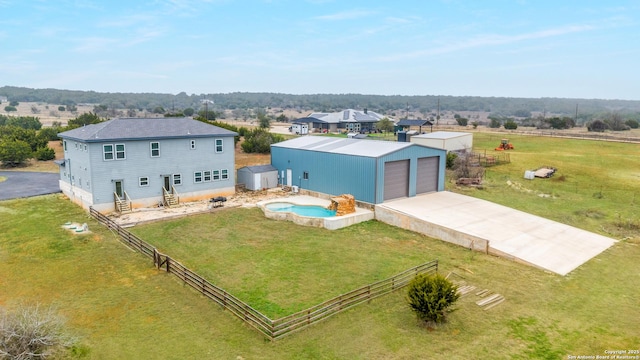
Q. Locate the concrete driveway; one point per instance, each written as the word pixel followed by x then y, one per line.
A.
pixel 21 184
pixel 496 229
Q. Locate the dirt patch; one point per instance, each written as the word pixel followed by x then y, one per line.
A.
pixel 240 199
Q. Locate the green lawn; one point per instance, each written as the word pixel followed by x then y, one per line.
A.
pixel 120 307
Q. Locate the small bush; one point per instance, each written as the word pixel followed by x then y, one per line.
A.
pixel 45 153
pixel 431 296
pixel 510 125
pixel 32 333
pixel 451 159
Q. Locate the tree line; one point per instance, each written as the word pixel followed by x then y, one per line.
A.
pixel 392 105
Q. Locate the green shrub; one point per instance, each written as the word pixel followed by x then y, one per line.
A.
pixel 259 141
pixel 14 152
pixel 510 125
pixel 45 153
pixel 451 159
pixel 431 296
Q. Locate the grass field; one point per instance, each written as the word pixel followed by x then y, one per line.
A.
pixel 120 307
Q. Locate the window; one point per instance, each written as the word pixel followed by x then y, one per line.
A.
pixel 218 145
pixel 120 152
pixel 197 176
pixel 225 174
pixel 305 175
pixel 177 179
pixel 107 152
pixel 207 175
pixel 85 147
pixel 192 144
pixel 143 181
pixel 155 149
pixel 216 175
pixel 64 143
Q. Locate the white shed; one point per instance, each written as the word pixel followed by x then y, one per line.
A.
pixel 299 128
pixel 258 177
pixel 447 140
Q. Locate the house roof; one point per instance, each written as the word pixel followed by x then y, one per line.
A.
pixel 412 122
pixel 257 169
pixel 145 128
pixel 345 116
pixel 358 147
pixel 442 135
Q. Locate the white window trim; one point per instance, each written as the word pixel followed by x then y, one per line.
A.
pixel 105 152
pixel 140 181
pixel 204 175
pixel 196 176
pixel 214 175
pixel 124 152
pixel 151 149
pixel 192 144
pixel 176 176
pixel 224 174
pixel 221 145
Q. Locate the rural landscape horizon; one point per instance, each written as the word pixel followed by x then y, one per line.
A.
pixel 518 49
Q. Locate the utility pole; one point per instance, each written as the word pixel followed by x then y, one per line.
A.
pixel 438 116
pixel 575 120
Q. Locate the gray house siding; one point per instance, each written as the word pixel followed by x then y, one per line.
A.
pixel 90 180
pixel 176 157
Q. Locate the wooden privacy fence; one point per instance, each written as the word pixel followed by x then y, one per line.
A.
pixel 272 329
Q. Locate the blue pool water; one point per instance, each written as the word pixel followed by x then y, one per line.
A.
pixel 302 210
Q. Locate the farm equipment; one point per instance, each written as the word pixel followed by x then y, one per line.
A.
pixel 504 145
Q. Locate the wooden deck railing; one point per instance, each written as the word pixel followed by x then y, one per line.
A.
pixel 272 329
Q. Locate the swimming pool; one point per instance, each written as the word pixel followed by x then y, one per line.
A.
pixel 302 210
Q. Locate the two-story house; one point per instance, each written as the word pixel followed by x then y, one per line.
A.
pixel 139 162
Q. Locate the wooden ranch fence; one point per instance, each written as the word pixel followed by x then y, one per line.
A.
pixel 272 329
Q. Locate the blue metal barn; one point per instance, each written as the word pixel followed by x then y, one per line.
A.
pixel 372 171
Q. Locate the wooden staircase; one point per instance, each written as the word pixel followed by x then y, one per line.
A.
pixel 170 199
pixel 122 204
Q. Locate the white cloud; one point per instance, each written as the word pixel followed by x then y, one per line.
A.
pixel 491 40
pixel 346 15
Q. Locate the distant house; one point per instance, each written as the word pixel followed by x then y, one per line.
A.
pixel 342 121
pixel 372 171
pixel 413 124
pixel 128 163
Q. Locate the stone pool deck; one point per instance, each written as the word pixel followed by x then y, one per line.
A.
pixel 330 223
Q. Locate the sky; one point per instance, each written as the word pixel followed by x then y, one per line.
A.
pixel 520 48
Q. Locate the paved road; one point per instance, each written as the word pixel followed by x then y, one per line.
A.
pixel 20 184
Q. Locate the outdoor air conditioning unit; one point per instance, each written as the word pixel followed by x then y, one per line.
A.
pixel 294 189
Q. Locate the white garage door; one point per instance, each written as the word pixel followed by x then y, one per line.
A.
pixel 427 180
pixel 396 179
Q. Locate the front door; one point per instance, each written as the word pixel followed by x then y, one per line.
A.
pixel 167 182
pixel 289 182
pixel 119 188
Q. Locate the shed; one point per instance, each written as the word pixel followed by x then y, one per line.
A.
pixel 258 177
pixel 372 171
pixel 446 140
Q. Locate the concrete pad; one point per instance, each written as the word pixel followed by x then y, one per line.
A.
pixel 511 233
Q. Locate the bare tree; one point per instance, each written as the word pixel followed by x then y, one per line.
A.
pixel 32 333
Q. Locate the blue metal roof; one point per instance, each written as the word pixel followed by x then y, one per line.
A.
pixel 359 147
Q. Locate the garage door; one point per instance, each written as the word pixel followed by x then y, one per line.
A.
pixel 396 179
pixel 427 180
